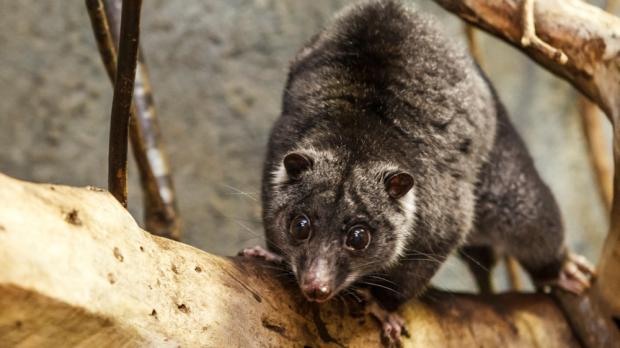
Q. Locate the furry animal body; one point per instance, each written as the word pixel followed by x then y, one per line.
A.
pixel 393 151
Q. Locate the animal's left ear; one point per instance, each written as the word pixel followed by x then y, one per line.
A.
pixel 398 184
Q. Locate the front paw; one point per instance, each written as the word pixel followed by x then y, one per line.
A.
pixel 261 253
pixel 392 325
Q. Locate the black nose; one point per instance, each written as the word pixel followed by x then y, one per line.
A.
pixel 316 291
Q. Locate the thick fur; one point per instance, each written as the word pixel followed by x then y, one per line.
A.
pixel 382 91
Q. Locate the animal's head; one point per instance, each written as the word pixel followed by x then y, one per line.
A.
pixel 337 219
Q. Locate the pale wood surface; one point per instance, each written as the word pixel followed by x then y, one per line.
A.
pixel 76 270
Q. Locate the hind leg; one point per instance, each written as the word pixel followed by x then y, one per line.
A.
pixel 529 227
pixel 574 276
pixel 517 214
pixel 566 270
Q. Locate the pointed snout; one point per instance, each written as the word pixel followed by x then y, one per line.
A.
pixel 316 291
pixel 316 284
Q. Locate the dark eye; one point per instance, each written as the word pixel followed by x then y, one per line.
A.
pixel 300 227
pixel 358 238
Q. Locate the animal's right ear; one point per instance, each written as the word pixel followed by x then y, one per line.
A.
pixel 295 164
pixel 398 184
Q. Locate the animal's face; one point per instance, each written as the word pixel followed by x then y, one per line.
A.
pixel 336 220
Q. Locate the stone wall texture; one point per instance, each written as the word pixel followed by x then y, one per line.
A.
pixel 218 68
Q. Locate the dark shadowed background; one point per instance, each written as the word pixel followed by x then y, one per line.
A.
pixel 218 69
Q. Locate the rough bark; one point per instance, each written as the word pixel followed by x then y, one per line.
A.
pixel 76 270
pixel 589 36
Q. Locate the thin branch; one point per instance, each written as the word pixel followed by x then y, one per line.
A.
pixel 101 29
pixel 160 210
pixel 161 214
pixel 121 102
pixel 530 38
pixel 473 43
pixel 514 276
pixel 597 149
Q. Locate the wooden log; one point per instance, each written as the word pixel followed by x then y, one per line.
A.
pixel 76 270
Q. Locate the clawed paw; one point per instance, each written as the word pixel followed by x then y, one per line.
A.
pixel 576 274
pixel 392 325
pixel 261 253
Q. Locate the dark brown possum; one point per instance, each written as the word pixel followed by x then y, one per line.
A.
pixel 393 151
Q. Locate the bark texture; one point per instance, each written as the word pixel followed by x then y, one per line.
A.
pixel 76 270
pixel 588 35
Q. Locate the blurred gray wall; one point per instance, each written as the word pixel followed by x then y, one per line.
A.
pixel 218 68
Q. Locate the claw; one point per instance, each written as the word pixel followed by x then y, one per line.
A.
pixel 392 324
pixel 260 253
pixel 582 263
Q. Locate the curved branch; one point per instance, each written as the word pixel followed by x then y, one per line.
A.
pixel 586 34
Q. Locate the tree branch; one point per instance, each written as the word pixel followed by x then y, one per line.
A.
pixel 586 34
pixel 121 103
pixel 597 149
pixel 76 269
pixel 103 37
pixel 161 214
pixel 473 44
pixel 529 37
pixel 595 140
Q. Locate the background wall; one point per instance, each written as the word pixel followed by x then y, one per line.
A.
pixel 218 68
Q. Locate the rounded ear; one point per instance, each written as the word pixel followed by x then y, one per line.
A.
pixel 397 185
pixel 295 164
